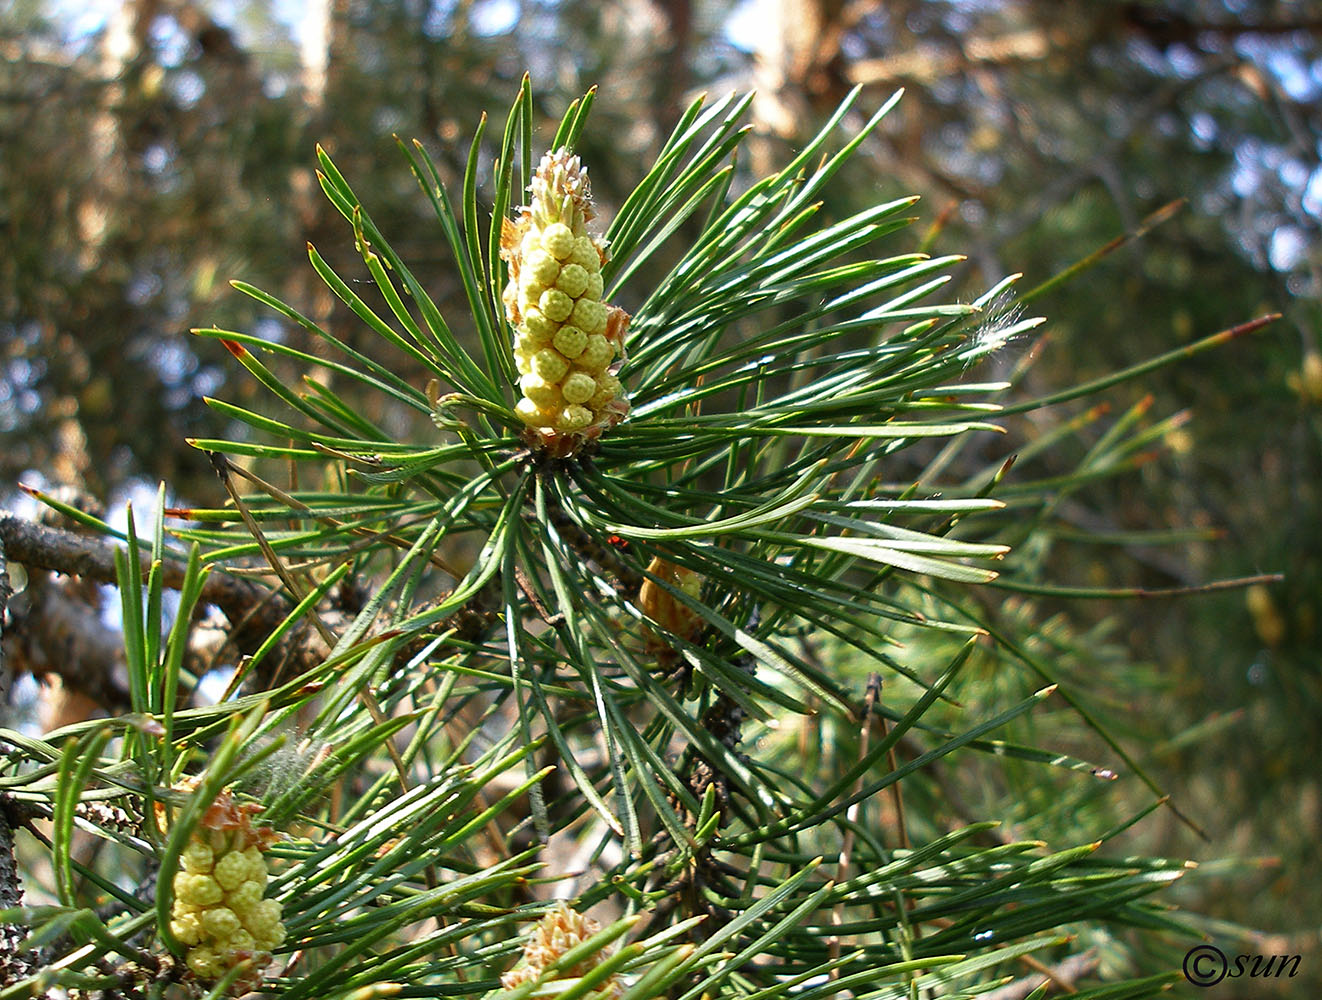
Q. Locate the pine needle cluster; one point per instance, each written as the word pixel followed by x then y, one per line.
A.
pixel 572 649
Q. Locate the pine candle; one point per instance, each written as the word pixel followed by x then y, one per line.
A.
pixel 566 340
pixel 218 912
pixel 556 933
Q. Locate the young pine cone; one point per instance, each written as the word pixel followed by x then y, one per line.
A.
pixel 566 339
pixel 663 608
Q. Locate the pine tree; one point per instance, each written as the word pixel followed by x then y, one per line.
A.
pixel 621 663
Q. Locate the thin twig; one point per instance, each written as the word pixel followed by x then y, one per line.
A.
pixel 854 813
pixel 374 536
pixel 1057 976
pixel 222 465
pixel 1062 975
pixel 902 828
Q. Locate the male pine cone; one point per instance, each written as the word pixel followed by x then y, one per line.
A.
pixel 219 914
pixel 566 339
pixel 547 943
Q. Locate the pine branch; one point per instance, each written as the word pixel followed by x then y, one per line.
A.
pixel 39 547
pixel 55 631
pixel 15 963
pixel 620 577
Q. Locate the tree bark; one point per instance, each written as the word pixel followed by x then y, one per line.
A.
pixel 57 632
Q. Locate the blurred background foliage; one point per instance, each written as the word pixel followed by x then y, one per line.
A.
pixel 154 149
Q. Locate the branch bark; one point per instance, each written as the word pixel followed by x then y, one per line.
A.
pixel 11 889
pixel 40 547
pixel 6 592
pixel 15 964
pixel 55 631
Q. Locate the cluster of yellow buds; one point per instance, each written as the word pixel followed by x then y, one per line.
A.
pixel 218 911
pixel 567 341
pixel 561 929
